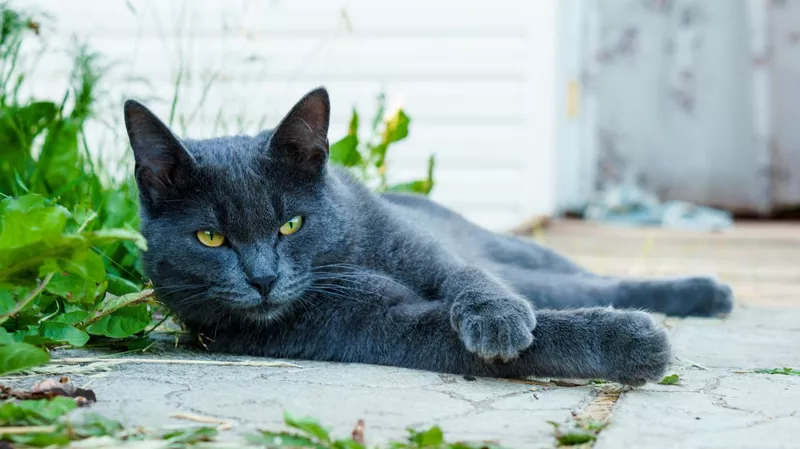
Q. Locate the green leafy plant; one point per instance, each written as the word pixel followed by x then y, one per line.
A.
pixel 367 158
pixel 68 240
pixel 46 422
pixel 53 283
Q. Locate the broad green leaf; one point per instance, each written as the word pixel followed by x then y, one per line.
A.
pixel 41 412
pixel 119 210
pixel 396 127
pixel 60 161
pixel 32 336
pixel 123 323
pixel 24 203
pixel 59 438
pixel 432 437
pixel 63 333
pixel 5 337
pixel 7 301
pixel 73 318
pixel 86 264
pixel 71 287
pixel 19 356
pixel 309 426
pixel 119 286
pixel 345 152
pixel 282 439
pixel 24 227
pixel 26 260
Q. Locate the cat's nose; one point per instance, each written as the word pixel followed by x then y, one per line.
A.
pixel 263 283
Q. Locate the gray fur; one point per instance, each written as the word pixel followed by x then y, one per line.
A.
pixel 388 279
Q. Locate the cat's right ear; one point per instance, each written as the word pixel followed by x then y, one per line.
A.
pixel 162 161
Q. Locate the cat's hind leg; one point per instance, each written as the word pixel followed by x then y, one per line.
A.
pixel 506 250
pixel 689 296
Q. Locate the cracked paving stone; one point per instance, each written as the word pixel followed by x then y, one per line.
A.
pixel 750 338
pixel 720 408
pixel 695 420
pixel 528 429
pixel 709 409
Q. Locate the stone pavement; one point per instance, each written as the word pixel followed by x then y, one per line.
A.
pixel 719 402
pixel 715 405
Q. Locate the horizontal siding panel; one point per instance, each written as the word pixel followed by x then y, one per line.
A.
pixel 241 59
pixel 461 69
pixel 213 18
pixel 453 145
pixel 478 104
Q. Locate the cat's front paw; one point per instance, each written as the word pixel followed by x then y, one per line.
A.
pixel 494 329
pixel 635 347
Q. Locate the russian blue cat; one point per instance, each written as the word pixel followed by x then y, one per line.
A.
pixel 264 248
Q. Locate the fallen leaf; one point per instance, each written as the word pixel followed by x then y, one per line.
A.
pixel 672 379
pixel 358 432
pixel 781 371
pixel 50 388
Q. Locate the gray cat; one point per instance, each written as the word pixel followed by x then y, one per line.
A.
pixel 264 248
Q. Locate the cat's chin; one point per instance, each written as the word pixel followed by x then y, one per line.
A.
pixel 263 311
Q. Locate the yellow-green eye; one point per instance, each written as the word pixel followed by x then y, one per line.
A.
pixel 292 226
pixel 210 238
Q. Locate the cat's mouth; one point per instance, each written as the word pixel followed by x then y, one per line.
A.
pixel 263 307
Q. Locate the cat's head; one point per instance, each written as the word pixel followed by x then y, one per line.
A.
pixel 234 224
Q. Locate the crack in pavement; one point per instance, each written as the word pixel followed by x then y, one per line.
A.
pixel 593 417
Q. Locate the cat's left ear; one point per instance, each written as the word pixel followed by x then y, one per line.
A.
pixel 301 138
pixel 162 162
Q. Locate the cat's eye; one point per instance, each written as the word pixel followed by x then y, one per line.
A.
pixel 210 238
pixel 292 226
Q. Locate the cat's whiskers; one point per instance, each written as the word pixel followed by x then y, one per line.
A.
pixel 172 289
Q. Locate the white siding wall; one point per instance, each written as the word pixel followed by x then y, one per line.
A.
pixel 476 76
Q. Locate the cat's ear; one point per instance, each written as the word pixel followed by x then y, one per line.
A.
pixel 162 161
pixel 301 138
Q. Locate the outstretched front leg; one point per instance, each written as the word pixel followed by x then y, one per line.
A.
pixel 391 329
pixel 492 320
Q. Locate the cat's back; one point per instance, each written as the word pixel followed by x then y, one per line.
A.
pixel 449 227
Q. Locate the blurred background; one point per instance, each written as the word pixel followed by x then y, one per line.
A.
pixel 635 111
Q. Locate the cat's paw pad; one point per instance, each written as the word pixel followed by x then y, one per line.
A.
pixel 636 348
pixel 496 329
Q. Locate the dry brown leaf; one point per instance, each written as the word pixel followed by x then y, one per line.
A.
pixel 358 432
pixel 50 388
